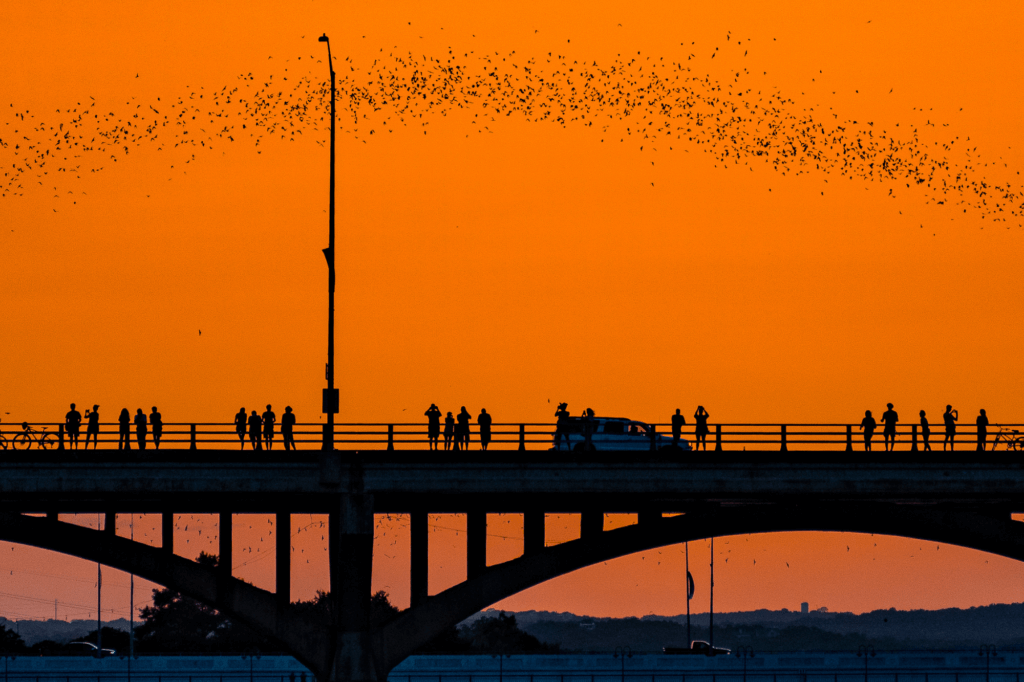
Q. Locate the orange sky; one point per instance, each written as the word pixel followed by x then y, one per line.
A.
pixel 527 262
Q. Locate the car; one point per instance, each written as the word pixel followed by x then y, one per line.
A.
pixel 697 647
pixel 612 433
pixel 88 649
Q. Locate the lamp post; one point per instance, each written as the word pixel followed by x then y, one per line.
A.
pixel 745 652
pixel 252 655
pixel 623 652
pixel 865 650
pixel 330 396
pixel 988 651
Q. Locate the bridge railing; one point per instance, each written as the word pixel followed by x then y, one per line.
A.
pixel 513 436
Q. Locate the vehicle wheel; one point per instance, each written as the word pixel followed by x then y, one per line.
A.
pixel 22 442
pixel 48 441
pixel 582 447
pixel 3 443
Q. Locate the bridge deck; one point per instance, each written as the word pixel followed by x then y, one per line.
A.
pixel 501 481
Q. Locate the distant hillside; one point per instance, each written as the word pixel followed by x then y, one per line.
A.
pixel 33 631
pixel 1000 624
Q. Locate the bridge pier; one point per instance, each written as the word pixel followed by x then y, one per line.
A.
pixel 591 524
pixel 419 564
pixel 224 531
pixel 533 532
pixel 351 658
pixel 283 573
pixel 476 543
pixel 167 532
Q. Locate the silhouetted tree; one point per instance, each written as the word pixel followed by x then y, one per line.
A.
pixel 11 642
pixel 112 639
pixel 177 623
pixel 501 634
pixel 319 608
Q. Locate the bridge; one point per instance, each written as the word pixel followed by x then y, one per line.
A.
pixel 958 498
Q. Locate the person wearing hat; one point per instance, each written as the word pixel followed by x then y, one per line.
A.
pixel 93 428
pixel 562 414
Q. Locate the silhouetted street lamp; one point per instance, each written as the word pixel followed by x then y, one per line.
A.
pixel 623 652
pixel 865 650
pixel 252 656
pixel 330 397
pixel 745 652
pixel 988 651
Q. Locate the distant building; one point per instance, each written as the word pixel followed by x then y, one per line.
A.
pixel 804 607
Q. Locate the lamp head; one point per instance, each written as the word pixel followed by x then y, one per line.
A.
pixel 323 38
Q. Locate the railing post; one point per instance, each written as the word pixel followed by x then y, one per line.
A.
pixel 327 438
pixel 391 437
pixel 913 442
pixel 718 437
pixel 192 443
pixel 654 437
pixel 849 438
pixel 784 447
pixel 60 437
pixel 522 437
pixel 588 428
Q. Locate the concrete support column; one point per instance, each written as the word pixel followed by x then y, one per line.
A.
pixel 533 532
pixel 52 516
pixel 110 522
pixel 351 556
pixel 476 543
pixel 224 528
pixel 648 516
pixel 419 565
pixel 591 524
pixel 283 575
pixel 167 532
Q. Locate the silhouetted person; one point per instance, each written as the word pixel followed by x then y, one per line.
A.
pixel 254 431
pixel 701 432
pixel 449 431
pixel 433 416
pixel 124 433
pixel 156 422
pixel 72 422
pixel 269 419
pixel 926 431
pixel 92 430
pixel 562 418
pixel 287 426
pixel 889 419
pixel 678 421
pixel 462 429
pixel 950 417
pixel 140 428
pixel 869 425
pixel 241 421
pixel 981 421
pixel 484 420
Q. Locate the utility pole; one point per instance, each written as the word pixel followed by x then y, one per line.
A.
pixel 689 594
pixel 711 615
pixel 330 397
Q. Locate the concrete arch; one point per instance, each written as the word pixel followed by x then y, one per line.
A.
pixel 239 600
pixel 996 534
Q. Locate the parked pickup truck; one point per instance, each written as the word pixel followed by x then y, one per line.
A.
pixel 697 647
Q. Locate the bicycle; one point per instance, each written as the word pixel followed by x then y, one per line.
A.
pixel 28 435
pixel 1012 438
